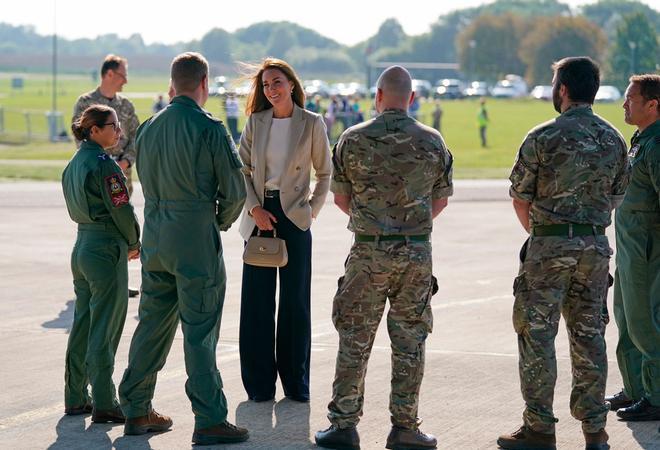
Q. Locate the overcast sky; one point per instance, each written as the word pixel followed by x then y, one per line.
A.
pixel 346 21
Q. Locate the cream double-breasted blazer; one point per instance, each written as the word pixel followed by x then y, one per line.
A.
pixel 308 148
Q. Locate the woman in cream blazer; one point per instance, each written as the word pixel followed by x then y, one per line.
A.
pixel 280 145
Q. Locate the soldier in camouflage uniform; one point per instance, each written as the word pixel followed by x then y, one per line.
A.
pixel 114 73
pixel 392 177
pixel 569 175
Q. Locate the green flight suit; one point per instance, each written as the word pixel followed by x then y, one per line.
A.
pixel 97 199
pixel 637 279
pixel 192 183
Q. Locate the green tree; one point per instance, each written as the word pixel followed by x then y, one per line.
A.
pixel 554 38
pixel 608 14
pixel 488 47
pixel 635 50
pixel 216 45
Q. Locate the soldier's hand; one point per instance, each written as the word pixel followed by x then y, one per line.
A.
pixel 263 218
pixel 133 254
pixel 123 164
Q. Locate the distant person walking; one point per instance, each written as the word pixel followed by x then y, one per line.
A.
pixel 108 237
pixel 482 122
pixel 159 104
pixel 437 116
pixel 232 109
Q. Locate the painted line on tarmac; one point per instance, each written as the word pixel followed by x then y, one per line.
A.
pixel 474 301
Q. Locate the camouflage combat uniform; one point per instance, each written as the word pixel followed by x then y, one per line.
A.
pixel 572 170
pixel 125 148
pixel 392 167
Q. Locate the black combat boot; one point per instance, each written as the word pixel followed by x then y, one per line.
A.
pixel 338 438
pixel 619 400
pixel 406 439
pixel 643 410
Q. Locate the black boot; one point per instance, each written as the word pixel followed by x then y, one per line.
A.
pixel 338 438
pixel 643 410
pixel 619 400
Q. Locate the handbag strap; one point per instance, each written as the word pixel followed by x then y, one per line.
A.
pixel 274 232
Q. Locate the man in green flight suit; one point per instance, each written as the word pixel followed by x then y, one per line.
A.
pixel 637 278
pixel 193 186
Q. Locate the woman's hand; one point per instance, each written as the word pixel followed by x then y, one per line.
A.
pixel 263 218
pixel 133 254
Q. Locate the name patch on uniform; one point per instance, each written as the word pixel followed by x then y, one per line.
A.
pixel 117 190
pixel 633 151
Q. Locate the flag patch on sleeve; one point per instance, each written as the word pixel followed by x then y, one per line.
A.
pixel 117 190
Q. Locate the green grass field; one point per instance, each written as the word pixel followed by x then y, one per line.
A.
pixel 509 122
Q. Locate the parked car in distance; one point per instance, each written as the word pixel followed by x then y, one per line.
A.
pixel 422 88
pixel 218 86
pixel 316 87
pixel 351 89
pixel 512 86
pixel 477 89
pixel 541 92
pixel 608 93
pixel 448 88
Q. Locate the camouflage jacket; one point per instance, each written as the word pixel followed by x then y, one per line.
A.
pixel 125 148
pixel 572 169
pixel 392 167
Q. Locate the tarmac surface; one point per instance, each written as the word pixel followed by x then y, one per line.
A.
pixel 470 393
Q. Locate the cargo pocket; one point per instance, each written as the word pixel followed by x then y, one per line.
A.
pixel 336 312
pixel 209 299
pixel 520 310
pixel 424 310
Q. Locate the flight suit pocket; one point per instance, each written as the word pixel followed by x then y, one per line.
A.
pixel 520 310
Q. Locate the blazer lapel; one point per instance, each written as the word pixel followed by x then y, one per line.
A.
pixel 260 143
pixel 297 130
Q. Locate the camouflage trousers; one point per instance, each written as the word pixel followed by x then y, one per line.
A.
pixel 376 272
pixel 568 277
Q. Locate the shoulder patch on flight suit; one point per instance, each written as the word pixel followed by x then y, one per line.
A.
pixel 234 158
pixel 103 157
pixel 117 190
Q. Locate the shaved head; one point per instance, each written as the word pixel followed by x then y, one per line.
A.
pixel 394 89
pixel 395 81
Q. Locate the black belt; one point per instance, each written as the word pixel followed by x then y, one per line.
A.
pixel 391 237
pixel 568 230
pixel 268 193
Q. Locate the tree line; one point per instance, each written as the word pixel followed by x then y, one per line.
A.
pixel 488 41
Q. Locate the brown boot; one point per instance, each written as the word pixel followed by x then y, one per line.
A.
pixel 406 439
pixel 596 441
pixel 527 439
pixel 108 415
pixel 152 422
pixel 225 433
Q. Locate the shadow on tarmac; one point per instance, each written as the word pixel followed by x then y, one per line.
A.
pixel 65 319
pixel 72 434
pixel 290 429
pixel 646 440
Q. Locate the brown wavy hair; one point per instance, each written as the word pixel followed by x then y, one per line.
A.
pixel 257 100
pixel 93 115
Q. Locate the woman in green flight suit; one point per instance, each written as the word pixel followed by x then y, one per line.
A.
pixel 108 237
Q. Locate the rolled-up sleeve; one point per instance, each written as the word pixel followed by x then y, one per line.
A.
pixel 340 183
pixel 525 171
pixel 443 186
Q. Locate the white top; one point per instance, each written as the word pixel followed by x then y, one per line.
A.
pixel 276 151
pixel 232 108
